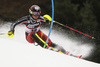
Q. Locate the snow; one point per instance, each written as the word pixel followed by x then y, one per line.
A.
pixel 17 52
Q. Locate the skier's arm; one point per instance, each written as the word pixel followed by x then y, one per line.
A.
pixel 19 21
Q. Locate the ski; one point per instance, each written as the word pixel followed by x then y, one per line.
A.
pixel 68 53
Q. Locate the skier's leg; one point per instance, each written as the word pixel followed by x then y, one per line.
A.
pixel 29 38
pixel 40 38
pixel 57 48
pixel 51 45
pixel 43 37
pixel 37 39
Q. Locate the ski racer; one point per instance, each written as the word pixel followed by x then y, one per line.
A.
pixel 33 33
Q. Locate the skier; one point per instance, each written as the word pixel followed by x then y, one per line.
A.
pixel 32 30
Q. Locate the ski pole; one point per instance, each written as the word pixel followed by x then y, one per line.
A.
pixel 74 29
pixel 47 17
pixel 7 34
pixel 3 33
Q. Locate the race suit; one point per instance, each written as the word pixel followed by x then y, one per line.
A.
pixel 33 26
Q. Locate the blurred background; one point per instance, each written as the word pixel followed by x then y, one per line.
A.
pixel 82 15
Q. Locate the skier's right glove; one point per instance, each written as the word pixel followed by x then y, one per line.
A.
pixel 10 33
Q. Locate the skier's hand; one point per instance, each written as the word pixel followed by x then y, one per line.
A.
pixel 10 33
pixel 47 17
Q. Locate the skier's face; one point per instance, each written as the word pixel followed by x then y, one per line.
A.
pixel 35 17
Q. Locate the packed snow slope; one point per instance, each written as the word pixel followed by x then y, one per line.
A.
pixel 17 52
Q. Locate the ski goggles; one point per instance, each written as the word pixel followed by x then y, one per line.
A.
pixel 34 13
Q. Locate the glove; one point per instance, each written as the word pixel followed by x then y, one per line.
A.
pixel 10 33
pixel 47 17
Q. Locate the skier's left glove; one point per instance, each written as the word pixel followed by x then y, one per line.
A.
pixel 10 33
pixel 47 17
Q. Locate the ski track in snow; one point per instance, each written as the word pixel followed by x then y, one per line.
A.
pixel 17 52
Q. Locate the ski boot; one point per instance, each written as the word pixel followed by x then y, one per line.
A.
pixel 79 56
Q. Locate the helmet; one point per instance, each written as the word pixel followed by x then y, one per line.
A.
pixel 35 10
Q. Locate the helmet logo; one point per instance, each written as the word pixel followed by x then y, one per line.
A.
pixel 37 8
